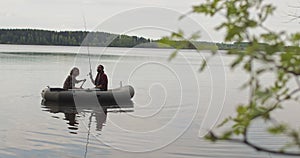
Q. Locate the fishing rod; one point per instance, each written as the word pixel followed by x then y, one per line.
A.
pixel 88 48
pixel 90 119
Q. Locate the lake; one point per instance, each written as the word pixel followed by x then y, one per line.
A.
pixel 174 105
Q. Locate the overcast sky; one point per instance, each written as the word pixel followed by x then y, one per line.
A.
pixel 130 16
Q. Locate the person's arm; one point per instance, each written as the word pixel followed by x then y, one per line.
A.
pixel 99 86
pixel 75 81
pixel 78 81
pixel 83 80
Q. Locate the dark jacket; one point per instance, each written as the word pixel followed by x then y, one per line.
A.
pixel 101 79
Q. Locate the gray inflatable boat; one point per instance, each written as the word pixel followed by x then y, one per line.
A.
pixel 88 96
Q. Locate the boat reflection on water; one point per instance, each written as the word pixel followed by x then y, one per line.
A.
pixel 72 112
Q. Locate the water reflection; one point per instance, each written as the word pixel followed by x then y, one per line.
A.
pixel 73 112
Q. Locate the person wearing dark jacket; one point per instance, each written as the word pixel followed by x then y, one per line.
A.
pixel 101 80
pixel 71 79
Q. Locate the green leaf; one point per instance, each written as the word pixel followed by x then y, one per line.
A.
pixel 227 135
pixel 173 55
pixel 247 66
pixel 203 65
pixel 279 129
pixel 224 122
pixel 241 109
pixel 195 36
pixel 237 61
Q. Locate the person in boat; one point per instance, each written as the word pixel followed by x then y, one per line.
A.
pixel 71 79
pixel 101 79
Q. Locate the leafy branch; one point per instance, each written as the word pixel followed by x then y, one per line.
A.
pixel 271 51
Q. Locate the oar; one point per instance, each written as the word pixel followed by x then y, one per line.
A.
pixel 82 83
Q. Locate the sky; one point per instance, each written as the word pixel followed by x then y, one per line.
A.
pixel 147 18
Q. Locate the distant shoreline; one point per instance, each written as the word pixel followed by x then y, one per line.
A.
pixel 99 39
pixel 1 44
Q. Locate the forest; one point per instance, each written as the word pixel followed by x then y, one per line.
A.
pixel 68 38
pixel 100 39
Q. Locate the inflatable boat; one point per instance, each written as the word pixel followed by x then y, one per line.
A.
pixel 116 96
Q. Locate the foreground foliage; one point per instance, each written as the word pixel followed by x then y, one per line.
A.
pixel 278 55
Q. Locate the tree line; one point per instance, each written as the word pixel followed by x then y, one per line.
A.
pixel 68 38
pixel 100 39
pixel 75 38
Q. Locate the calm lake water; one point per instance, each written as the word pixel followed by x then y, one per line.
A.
pixel 174 105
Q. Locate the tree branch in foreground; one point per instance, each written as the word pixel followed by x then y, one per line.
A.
pixel 254 146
